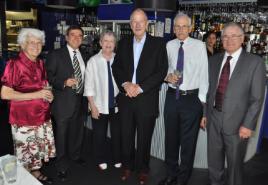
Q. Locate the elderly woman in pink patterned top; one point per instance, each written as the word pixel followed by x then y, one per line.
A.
pixel 24 85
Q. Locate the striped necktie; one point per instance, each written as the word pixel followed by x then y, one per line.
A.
pixel 77 73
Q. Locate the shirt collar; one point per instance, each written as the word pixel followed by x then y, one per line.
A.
pixel 101 55
pixel 142 40
pixel 184 41
pixel 25 59
pixel 235 55
pixel 70 49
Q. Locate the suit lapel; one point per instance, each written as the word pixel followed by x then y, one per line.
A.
pixel 67 59
pixel 145 50
pixel 216 72
pixel 238 67
pixel 131 60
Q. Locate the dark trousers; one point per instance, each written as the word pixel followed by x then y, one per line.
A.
pixel 134 119
pixel 182 117
pixel 69 136
pixel 100 127
pixel 221 145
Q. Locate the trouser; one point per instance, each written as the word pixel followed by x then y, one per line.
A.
pixel 182 118
pixel 220 146
pixel 69 136
pixel 100 127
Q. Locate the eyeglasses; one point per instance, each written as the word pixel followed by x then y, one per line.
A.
pixel 232 37
pixel 184 27
pixel 33 44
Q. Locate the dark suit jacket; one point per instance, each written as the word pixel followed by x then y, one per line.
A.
pixel 59 68
pixel 245 92
pixel 150 73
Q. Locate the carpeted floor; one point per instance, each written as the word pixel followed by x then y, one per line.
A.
pixel 256 171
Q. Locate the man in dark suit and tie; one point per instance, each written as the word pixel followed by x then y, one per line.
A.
pixel 65 69
pixel 139 68
pixel 234 101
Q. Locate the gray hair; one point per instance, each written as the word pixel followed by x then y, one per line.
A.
pixel 109 33
pixel 180 15
pixel 30 32
pixel 232 24
pixel 138 10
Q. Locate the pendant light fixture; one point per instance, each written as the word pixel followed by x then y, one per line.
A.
pixel 62 4
pixel 156 5
pixel 18 5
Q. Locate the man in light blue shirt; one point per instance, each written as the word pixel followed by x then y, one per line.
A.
pixel 139 68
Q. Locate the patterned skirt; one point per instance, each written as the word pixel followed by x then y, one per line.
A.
pixel 33 144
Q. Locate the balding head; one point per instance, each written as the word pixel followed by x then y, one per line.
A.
pixel 138 11
pixel 138 23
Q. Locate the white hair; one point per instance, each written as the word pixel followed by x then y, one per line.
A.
pixel 233 24
pixel 180 15
pixel 30 32
pixel 109 33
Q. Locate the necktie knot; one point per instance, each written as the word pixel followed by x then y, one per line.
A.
pixel 181 43
pixel 229 58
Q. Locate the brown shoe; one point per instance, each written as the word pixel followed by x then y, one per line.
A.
pixel 125 175
pixel 143 177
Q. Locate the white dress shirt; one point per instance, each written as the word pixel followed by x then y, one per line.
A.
pixel 80 59
pixel 96 82
pixel 137 49
pixel 195 69
pixel 233 61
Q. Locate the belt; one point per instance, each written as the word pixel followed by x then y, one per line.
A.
pixel 184 93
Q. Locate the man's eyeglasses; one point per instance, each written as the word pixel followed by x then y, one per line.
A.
pixel 184 27
pixel 232 37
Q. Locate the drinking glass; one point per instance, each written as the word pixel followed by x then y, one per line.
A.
pixel 47 87
pixel 178 74
pixel 2 182
pixel 74 86
pixel 9 168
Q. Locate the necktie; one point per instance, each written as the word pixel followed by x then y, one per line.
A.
pixel 222 85
pixel 110 86
pixel 77 73
pixel 179 68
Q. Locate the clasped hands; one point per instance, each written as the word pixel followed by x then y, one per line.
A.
pixel 132 90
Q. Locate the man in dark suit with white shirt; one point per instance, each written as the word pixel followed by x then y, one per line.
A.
pixel 234 100
pixel 139 68
pixel 65 69
pixel 188 83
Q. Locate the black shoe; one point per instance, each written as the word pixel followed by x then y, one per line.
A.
pixel 62 175
pixel 48 180
pixel 169 181
pixel 44 179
